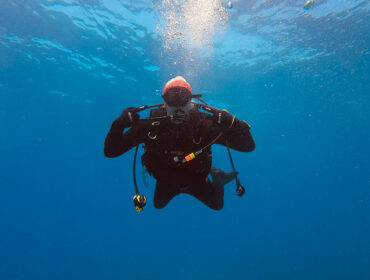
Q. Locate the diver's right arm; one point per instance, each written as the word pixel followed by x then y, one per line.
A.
pixel 116 142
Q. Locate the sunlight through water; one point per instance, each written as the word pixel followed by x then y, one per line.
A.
pixel 188 29
pixel 192 23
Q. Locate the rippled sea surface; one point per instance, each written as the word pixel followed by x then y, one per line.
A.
pixel 299 77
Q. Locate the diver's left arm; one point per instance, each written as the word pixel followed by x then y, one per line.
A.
pixel 235 133
pixel 238 137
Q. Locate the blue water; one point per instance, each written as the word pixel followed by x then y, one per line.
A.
pixel 299 77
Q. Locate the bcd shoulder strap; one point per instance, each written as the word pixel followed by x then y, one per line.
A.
pixel 158 112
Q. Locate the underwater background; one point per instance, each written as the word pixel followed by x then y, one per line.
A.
pixel 299 77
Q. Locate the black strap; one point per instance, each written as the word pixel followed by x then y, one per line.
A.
pixel 239 188
pixel 231 159
pixel 134 170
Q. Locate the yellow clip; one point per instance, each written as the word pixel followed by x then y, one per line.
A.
pixel 139 205
pixel 232 122
pixel 189 157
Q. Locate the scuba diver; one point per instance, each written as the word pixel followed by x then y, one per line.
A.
pixel 177 139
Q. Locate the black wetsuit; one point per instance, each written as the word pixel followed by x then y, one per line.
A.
pixel 164 141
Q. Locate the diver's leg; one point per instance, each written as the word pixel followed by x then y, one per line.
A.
pixel 224 177
pixel 163 193
pixel 211 194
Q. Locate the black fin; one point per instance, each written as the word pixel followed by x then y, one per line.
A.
pixel 219 175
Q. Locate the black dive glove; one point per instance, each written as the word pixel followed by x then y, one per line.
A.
pixel 223 119
pixel 127 117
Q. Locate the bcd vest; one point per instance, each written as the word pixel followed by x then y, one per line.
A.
pixel 167 144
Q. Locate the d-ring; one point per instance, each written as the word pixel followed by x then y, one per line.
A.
pixel 197 143
pixel 152 137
